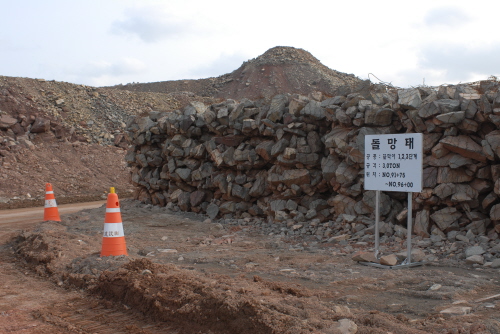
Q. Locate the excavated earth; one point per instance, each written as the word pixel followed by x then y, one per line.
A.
pixel 187 274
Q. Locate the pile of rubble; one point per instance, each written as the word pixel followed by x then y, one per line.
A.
pixel 279 70
pixel 299 160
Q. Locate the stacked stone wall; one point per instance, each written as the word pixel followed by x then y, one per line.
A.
pixel 299 159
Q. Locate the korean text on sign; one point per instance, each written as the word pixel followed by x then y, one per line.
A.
pixel 394 162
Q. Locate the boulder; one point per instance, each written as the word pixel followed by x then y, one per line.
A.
pixel 389 260
pixel 314 110
pixel 296 176
pixel 342 204
pixel 450 175
pixel 464 146
pixel 454 117
pixel 410 98
pixel 445 217
pixel 197 197
pixel 212 210
pixel 277 108
pixel 422 223
pixel 363 256
pixel 493 140
pixel 379 117
pixel 495 212
pixel 40 125
pixel 7 121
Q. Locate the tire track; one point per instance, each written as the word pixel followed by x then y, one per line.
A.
pixel 92 316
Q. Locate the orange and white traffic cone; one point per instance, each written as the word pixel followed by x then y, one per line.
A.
pixel 113 239
pixel 50 212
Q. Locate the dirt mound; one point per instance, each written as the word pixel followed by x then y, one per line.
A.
pixel 278 70
pixel 72 136
pixel 285 70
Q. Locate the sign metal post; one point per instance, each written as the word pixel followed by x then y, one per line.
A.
pixel 393 162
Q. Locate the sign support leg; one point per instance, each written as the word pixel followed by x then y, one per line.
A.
pixel 377 218
pixel 409 227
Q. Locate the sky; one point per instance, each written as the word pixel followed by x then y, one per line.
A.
pixel 110 42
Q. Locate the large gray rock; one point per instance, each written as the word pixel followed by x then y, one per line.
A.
pixel 277 205
pixel 448 105
pixel 495 212
pixel 454 117
pixel 445 217
pixel 184 173
pixel 296 104
pixel 345 173
pixel 493 140
pixel 379 117
pixel 259 187
pixel 474 259
pixel 240 192
pixel 449 175
pixel 410 98
pixel 279 147
pixel 145 123
pixel 464 146
pixel 197 197
pixel 328 166
pixel 277 108
pixel 422 223
pixel 314 142
pixel 369 198
pixel 264 148
pixel 343 204
pixel 314 110
pixel 212 210
pixel 429 110
pixel 227 207
pixel 184 201
pixel 296 176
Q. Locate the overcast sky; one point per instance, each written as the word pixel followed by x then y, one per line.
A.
pixel 108 42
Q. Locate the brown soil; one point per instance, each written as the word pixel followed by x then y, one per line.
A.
pixel 186 274
pixel 77 171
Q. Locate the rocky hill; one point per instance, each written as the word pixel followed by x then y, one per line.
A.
pixel 278 70
pixel 69 135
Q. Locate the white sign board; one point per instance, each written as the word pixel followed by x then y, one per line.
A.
pixel 394 162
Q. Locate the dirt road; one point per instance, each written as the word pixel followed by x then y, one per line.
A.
pixel 186 274
pixel 25 217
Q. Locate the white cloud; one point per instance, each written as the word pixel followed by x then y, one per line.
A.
pixel 225 63
pixel 104 72
pixel 124 66
pixel 151 24
pixel 460 62
pixel 448 16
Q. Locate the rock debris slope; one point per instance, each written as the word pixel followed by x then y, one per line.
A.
pixel 69 135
